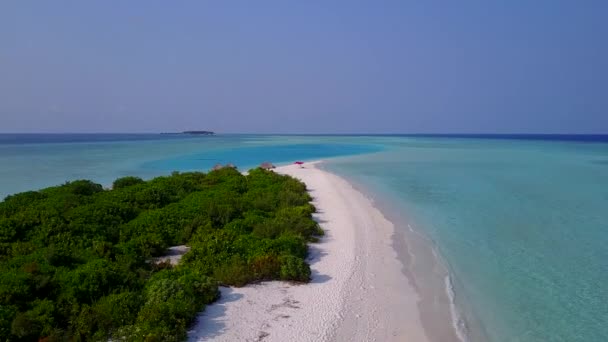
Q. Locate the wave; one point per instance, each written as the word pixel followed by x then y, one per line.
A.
pixel 458 321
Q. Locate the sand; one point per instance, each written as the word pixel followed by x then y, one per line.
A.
pixel 174 254
pixel 357 292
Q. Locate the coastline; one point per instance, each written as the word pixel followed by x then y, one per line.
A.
pixel 357 293
pixel 427 272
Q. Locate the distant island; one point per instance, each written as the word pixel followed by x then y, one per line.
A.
pixel 194 132
pixel 199 132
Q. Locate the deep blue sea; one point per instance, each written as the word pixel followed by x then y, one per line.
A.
pixel 521 222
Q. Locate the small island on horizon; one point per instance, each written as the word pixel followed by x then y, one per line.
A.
pixel 193 132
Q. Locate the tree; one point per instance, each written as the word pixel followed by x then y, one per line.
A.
pixel 76 260
pixel 126 181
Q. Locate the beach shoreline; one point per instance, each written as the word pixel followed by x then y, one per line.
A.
pixel 426 270
pixel 358 290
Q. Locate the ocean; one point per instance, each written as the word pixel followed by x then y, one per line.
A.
pixel 522 226
pixel 33 161
pixel 520 223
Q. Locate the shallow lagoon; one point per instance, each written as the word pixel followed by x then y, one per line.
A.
pixel 521 225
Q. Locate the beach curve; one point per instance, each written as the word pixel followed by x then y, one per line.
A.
pixel 357 291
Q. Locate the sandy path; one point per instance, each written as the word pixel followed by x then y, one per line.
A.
pixel 357 292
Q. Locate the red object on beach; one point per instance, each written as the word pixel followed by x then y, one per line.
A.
pixel 299 163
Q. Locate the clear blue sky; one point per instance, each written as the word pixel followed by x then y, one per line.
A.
pixel 304 66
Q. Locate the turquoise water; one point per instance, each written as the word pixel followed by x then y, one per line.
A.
pixel 522 225
pixel 29 162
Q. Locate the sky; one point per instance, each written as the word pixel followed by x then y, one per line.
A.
pixel 484 66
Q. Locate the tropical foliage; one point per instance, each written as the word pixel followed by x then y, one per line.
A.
pixel 77 261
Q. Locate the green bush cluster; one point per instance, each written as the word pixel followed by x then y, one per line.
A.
pixel 76 261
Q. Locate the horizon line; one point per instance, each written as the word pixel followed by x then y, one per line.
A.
pixel 311 134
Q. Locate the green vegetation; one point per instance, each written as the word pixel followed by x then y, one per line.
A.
pixel 76 261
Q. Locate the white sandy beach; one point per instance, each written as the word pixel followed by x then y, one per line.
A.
pixel 357 292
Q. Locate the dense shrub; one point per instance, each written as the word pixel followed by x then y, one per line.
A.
pixel 294 268
pixel 126 181
pixel 76 260
pixel 235 272
pixel 115 310
pixel 266 267
pixel 82 187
